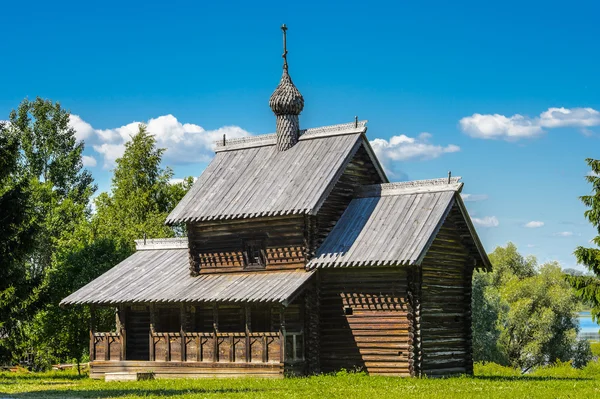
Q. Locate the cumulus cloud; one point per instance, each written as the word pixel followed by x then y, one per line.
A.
pixel 403 148
pixel 89 161
pixel 474 197
pixel 487 221
pixel 184 142
pixel 515 127
pixel 534 224
pixel 564 234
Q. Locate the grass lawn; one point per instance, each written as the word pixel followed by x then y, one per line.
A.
pixel 490 381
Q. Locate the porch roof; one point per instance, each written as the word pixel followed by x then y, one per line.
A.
pixel 162 276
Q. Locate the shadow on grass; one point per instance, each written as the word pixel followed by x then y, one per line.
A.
pixel 115 393
pixel 40 377
pixel 527 378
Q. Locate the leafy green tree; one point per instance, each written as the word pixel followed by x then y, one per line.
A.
pixel 140 199
pixel 61 188
pixel 17 230
pixel 49 158
pixel 524 316
pixel 587 287
pixel 142 195
pixel 541 323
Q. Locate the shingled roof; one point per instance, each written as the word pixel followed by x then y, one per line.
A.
pixel 162 276
pixel 250 178
pixel 393 224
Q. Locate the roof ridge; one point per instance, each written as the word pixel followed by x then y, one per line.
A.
pixel 161 243
pixel 410 187
pixel 305 134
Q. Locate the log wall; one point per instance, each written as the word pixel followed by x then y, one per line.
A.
pixel 445 325
pixel 364 320
pixel 358 172
pixel 217 247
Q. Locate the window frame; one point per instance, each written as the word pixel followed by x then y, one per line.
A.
pixel 257 245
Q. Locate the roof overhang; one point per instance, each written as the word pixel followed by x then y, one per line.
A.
pixel 162 276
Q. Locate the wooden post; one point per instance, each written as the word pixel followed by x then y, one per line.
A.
pixel 215 331
pixel 248 331
pixel 92 327
pixel 282 334
pixel 152 331
pixel 182 331
pixel 121 329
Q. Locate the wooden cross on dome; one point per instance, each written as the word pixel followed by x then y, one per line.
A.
pixel 285 64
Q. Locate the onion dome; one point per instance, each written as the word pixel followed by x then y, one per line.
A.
pixel 286 99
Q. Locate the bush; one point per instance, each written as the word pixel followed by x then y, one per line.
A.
pixel 582 353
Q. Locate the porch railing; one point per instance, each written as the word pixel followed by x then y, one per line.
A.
pixel 236 347
pixel 106 346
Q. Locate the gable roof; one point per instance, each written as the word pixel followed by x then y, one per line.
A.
pixel 251 178
pixel 392 224
pixel 162 275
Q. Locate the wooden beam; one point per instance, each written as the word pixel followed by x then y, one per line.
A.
pixel 182 331
pixel 282 334
pixel 152 331
pixel 215 331
pixel 248 330
pixel 121 319
pixel 92 327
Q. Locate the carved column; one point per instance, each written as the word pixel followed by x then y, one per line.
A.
pixel 248 331
pixel 152 331
pixel 183 326
pixel 92 329
pixel 121 322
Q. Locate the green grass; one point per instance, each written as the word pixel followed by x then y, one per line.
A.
pixel 490 381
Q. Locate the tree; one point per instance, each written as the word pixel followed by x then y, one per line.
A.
pixel 140 199
pixel 46 155
pixel 61 188
pixel 141 196
pixel 524 316
pixel 587 288
pixel 541 324
pixel 17 229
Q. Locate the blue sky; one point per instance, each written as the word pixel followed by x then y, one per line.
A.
pixel 507 93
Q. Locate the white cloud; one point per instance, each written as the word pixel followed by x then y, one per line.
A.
pixel 487 221
pixel 564 117
pixel 89 161
pixel 534 224
pixel 530 246
pixel 184 142
pixel 83 130
pixel 403 148
pixel 564 234
pixel 474 197
pixel 516 127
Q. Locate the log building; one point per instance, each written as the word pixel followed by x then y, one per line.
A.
pixel 300 258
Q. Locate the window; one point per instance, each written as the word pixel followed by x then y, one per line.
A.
pixel 254 253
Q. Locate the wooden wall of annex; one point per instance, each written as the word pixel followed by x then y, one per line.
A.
pixel 364 320
pixel 445 326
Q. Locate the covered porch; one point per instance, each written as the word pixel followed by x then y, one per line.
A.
pixel 202 340
pixel 175 325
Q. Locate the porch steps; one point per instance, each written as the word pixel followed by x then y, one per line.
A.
pixel 128 376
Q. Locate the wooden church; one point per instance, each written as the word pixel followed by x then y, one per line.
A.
pixel 300 258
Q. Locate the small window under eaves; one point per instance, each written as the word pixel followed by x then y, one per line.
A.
pixel 254 254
